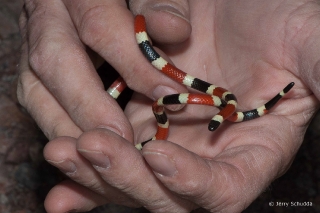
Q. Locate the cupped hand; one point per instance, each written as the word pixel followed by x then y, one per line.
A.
pixel 252 48
pixel 63 42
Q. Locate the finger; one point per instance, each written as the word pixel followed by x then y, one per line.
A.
pixel 39 102
pixel 169 21
pixel 107 28
pixel 228 183
pixel 60 61
pixel 123 167
pixel 303 45
pixel 37 99
pixel 69 196
pixel 62 154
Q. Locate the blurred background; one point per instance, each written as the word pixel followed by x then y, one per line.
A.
pixel 25 178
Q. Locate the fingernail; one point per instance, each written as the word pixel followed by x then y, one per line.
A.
pixel 169 9
pixel 65 166
pixel 114 130
pixel 97 158
pixel 160 163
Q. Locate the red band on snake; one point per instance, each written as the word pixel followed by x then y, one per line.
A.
pixel 215 96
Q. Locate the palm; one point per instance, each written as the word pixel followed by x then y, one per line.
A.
pixel 252 48
pixel 247 54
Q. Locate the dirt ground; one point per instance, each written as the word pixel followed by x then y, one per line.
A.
pixel 25 178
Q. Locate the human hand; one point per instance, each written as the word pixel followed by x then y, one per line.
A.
pixel 58 83
pixel 63 42
pixel 238 161
pixel 227 169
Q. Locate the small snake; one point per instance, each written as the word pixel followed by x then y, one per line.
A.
pixel 215 96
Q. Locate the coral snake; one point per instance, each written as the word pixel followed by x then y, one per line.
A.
pixel 215 96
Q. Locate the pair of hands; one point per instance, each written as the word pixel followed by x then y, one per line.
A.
pixel 252 48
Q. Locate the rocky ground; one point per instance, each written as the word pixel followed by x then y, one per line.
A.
pixel 25 177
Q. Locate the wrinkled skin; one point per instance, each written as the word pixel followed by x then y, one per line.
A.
pixel 253 48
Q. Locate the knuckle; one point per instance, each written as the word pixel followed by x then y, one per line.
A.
pixel 44 51
pixel 31 18
pixel 35 10
pixel 50 51
pixel 93 31
pixel 26 83
pixel 90 25
pixel 47 45
pixel 30 5
pixel 21 91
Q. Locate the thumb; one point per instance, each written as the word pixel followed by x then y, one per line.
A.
pixel 167 21
pixel 214 185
